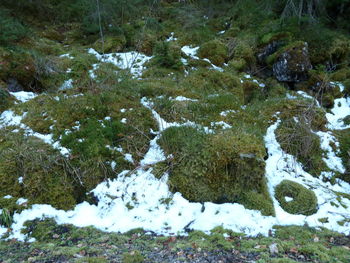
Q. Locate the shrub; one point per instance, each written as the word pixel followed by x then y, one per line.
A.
pixel 11 29
pixel 304 200
pixel 167 55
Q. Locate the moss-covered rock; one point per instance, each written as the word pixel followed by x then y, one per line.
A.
pixel 225 167
pixel 215 51
pixel 292 62
pixel 304 201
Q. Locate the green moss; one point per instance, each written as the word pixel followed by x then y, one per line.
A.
pixel 343 137
pixel 44 172
pixel 244 50
pixel 237 64
pixel 282 260
pixel 341 74
pixel 215 167
pixel 111 44
pixel 304 200
pixel 133 257
pixel 5 99
pixel 215 51
pixel 294 48
pixel 92 260
pixel 279 36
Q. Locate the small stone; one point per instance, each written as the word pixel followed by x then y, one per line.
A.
pixel 31 259
pixel 55 236
pixel 273 248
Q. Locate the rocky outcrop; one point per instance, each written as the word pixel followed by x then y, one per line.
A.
pixel 293 64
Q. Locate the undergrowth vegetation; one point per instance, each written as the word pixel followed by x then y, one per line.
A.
pixel 211 72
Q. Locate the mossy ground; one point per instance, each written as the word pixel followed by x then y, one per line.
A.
pixel 88 118
pixel 67 243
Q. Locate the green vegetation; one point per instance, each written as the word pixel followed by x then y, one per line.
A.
pixel 65 242
pixel 33 170
pixel 215 51
pixel 220 168
pixel 218 158
pixel 297 138
pixel 303 201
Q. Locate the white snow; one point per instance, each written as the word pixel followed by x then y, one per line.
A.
pixel 9 118
pixel 190 51
pixel 222 124
pixel 171 38
pixel 182 98
pixel 288 199
pixel 68 84
pixel 227 112
pixel 21 201
pixel 340 110
pixel 66 56
pixel 332 160
pixel 338 84
pixel 128 157
pixel 23 96
pixel 132 61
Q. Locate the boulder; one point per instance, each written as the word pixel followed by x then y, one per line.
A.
pixel 293 63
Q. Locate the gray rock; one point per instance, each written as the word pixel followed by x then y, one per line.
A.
pixel 293 64
pixel 267 51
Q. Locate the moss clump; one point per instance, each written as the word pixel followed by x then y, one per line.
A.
pixel 225 167
pixel 31 169
pixel 243 54
pixel 304 200
pixel 110 44
pixel 215 51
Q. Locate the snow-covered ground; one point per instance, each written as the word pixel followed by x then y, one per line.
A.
pixel 137 198
pixel 133 61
